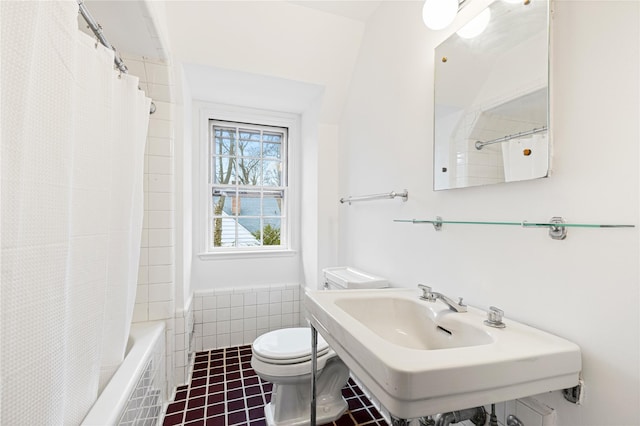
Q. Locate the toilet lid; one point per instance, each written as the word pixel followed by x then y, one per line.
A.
pixel 287 344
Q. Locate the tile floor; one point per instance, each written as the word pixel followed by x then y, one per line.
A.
pixel 225 391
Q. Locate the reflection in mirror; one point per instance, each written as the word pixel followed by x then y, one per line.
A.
pixel 491 99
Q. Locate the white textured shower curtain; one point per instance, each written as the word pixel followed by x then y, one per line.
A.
pixel 73 136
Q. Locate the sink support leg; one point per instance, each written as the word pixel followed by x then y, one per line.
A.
pixel 395 421
pixel 314 365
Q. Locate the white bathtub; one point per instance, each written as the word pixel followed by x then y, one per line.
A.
pixel 136 393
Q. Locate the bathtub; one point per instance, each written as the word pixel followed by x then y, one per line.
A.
pixel 135 395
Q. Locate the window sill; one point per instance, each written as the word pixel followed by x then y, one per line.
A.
pixel 249 254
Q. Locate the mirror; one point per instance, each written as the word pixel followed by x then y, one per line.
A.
pixel 491 99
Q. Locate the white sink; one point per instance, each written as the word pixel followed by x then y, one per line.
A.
pixel 420 358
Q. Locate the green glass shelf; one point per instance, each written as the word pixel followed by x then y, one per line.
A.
pixel 557 226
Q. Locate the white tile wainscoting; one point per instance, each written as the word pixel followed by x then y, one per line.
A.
pixel 236 316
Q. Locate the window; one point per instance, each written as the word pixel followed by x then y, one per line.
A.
pixel 247 191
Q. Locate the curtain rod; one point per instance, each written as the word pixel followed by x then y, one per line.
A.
pixel 97 30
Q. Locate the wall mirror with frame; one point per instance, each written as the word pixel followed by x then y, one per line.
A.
pixel 491 95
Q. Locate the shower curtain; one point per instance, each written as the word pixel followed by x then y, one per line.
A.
pixel 71 210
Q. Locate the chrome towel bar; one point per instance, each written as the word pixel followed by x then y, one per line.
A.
pixel 389 195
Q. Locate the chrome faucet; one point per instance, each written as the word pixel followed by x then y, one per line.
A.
pixel 432 296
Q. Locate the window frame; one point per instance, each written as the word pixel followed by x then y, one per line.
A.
pixel 289 238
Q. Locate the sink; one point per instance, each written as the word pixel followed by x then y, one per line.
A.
pixel 420 358
pixel 415 324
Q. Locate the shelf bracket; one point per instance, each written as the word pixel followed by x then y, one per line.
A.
pixel 557 232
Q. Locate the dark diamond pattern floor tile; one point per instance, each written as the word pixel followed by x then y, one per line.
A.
pixel 225 391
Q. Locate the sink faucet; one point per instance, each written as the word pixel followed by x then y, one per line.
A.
pixel 432 296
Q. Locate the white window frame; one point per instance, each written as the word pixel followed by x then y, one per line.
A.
pixel 289 236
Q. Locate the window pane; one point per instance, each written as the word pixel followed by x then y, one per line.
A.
pixel 249 143
pixel 223 203
pixel 272 145
pixel 249 205
pixel 272 175
pixel 248 231
pixel 248 171
pixel 272 204
pixel 224 170
pixel 271 232
pixel 224 232
pixel 224 141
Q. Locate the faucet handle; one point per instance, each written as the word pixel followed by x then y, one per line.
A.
pixel 426 292
pixel 494 317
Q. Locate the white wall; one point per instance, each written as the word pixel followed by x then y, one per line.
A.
pixel 584 288
pixel 282 57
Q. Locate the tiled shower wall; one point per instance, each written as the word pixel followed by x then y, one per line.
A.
pixel 155 297
pixel 236 316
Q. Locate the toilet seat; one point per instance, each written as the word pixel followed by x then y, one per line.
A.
pixel 287 353
pixel 287 346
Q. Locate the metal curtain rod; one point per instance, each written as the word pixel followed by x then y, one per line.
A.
pixel 480 144
pixel 97 30
pixel 392 194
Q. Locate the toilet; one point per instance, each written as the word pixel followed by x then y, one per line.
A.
pixel 283 357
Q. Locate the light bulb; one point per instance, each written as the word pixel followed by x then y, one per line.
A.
pixel 437 14
pixel 476 26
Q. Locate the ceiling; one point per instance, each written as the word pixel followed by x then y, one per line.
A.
pixel 128 25
pixel 359 10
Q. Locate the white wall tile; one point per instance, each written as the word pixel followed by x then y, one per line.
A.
pixel 249 336
pixel 156 73
pixel 160 292
pixel 275 296
pixel 236 326
pixel 223 301
pixel 250 298
pixel 236 313
pixel 160 165
pixel 160 220
pixel 209 329
pixel 142 293
pixel 262 310
pixel 287 295
pixel 160 128
pixel 160 274
pixel 160 146
pixel 237 300
pixel 275 308
pixel 209 302
pixel 160 182
pixel 275 322
pixel 160 237
pixel 236 339
pixel 209 342
pixel 250 311
pixel 223 327
pixel 143 274
pixel 262 297
pixel 159 92
pixel 250 324
pixel 159 310
pixel 223 340
pixel 160 255
pixel 140 312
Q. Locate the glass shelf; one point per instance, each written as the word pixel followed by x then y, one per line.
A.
pixel 557 225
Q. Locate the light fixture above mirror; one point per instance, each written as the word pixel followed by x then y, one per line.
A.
pixel 439 14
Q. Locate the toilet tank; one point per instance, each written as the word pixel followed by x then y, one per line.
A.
pixel 346 277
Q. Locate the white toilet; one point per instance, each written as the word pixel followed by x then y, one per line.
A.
pixel 283 357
